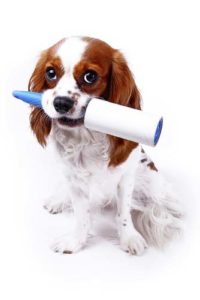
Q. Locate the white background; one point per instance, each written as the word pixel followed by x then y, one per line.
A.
pixel 161 41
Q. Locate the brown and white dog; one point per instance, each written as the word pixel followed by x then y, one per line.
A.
pixel 99 168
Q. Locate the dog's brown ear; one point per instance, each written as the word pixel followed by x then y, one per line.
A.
pixel 40 124
pixel 124 91
pixel 39 121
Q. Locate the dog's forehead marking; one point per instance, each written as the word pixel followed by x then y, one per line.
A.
pixel 70 52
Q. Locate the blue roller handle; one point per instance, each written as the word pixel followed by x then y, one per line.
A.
pixel 158 131
pixel 29 97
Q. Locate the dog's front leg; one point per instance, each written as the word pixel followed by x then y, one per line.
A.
pixel 60 200
pixel 74 242
pixel 130 239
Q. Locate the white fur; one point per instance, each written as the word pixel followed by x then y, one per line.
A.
pixel 71 52
pixel 148 213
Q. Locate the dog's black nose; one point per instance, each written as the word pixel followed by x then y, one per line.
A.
pixel 63 104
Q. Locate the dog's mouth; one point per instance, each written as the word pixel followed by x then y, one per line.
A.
pixel 74 122
pixel 71 122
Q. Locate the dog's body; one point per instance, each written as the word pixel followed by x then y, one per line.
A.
pixel 100 169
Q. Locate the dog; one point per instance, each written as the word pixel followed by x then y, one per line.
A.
pixel 99 168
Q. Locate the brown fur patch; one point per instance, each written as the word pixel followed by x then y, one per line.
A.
pixel 120 150
pixel 123 90
pixel 152 166
pixel 98 57
pixel 40 122
pixel 38 81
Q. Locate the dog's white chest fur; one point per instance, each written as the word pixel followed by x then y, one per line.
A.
pixel 86 157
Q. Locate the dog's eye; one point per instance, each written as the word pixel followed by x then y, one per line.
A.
pixel 51 74
pixel 90 77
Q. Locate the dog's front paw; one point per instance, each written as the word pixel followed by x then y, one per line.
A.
pixel 68 244
pixel 134 243
pixel 54 206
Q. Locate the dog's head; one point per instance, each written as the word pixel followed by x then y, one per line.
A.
pixel 71 72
